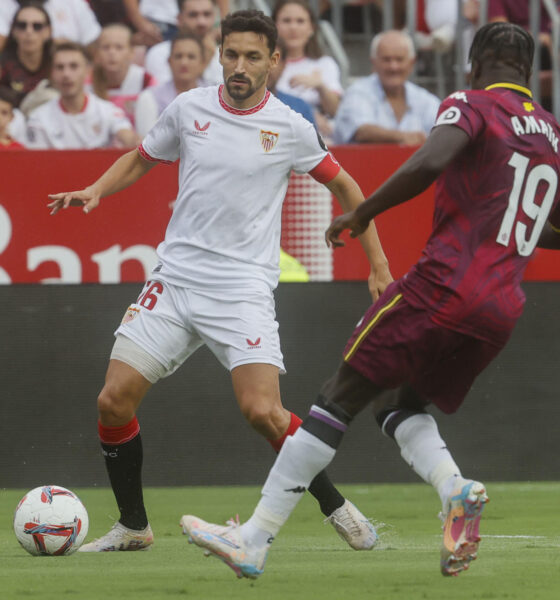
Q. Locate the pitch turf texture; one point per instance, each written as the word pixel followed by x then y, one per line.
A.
pixel 519 555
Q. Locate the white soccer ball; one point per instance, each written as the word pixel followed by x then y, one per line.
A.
pixel 50 520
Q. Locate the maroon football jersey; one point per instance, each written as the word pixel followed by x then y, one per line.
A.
pixel 491 204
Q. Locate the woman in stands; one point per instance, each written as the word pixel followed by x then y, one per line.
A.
pixel 26 58
pixel 187 64
pixel 308 73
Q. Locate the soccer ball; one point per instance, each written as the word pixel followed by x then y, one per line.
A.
pixel 50 520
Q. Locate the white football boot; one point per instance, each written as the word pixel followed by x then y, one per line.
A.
pixel 353 527
pixel 227 544
pixel 121 538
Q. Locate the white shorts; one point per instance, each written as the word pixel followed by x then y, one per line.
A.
pixel 171 322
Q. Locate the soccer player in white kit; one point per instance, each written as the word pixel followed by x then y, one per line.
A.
pixel 218 264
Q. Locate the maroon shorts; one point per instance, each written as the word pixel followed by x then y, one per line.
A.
pixel 395 344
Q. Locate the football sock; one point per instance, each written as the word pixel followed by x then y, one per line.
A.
pixel 302 457
pixel 122 450
pixel 425 451
pixel 321 488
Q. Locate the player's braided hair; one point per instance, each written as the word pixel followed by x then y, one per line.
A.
pixel 503 43
pixel 251 20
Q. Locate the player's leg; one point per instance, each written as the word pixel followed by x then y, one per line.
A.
pixel 257 390
pixel 445 383
pixel 304 454
pixel 121 443
pixel 242 332
pixel 150 344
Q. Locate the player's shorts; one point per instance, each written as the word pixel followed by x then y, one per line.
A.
pixel 396 343
pixel 171 322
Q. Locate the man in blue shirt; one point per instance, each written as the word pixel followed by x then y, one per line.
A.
pixel 386 108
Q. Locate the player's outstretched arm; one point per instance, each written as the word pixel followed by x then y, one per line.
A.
pixel 125 171
pixel 444 143
pixel 349 195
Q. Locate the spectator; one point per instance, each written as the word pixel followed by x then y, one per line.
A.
pixel 71 20
pixel 26 58
pixel 186 62
pixel 115 76
pixel 386 108
pixel 307 74
pixel 77 119
pixel 154 20
pixel 7 104
pixel 295 103
pixel 197 17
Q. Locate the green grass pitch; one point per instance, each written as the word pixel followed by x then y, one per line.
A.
pixel 519 556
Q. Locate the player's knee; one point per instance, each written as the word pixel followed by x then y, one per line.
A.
pixel 114 408
pixel 265 419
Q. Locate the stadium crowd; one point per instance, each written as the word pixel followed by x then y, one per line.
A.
pixel 98 73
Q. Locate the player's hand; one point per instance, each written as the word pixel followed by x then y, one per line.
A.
pixel 87 198
pixel 347 221
pixel 378 280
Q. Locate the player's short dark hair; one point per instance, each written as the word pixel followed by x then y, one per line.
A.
pixel 8 95
pixel 71 47
pixel 251 20
pixel 503 43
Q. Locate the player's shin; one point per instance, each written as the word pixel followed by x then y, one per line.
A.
pixel 321 488
pixel 422 447
pixel 302 457
pixel 123 453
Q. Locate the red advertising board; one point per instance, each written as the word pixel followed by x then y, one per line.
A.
pixel 117 241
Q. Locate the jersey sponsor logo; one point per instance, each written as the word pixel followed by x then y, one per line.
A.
pixel 255 344
pixel 528 106
pixel 200 130
pixel 449 116
pixel 459 96
pixel 199 127
pixel 268 140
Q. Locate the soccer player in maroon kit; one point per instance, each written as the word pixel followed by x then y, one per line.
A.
pixel 494 154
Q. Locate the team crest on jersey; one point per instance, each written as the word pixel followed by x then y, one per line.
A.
pixel 528 106
pixel 268 140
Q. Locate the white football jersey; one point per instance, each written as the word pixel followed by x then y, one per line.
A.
pixel 50 126
pixel 233 174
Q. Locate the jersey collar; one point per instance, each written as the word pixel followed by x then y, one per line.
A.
pixel 240 111
pixel 511 86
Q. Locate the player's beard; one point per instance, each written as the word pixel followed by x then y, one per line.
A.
pixel 238 94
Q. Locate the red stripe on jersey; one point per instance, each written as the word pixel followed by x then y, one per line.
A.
pixel 326 170
pixel 146 156
pixel 239 111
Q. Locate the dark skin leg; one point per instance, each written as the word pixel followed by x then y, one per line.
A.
pixel 350 391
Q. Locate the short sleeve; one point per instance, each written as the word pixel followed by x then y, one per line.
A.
pixel 459 110
pixel 309 148
pixel 163 142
